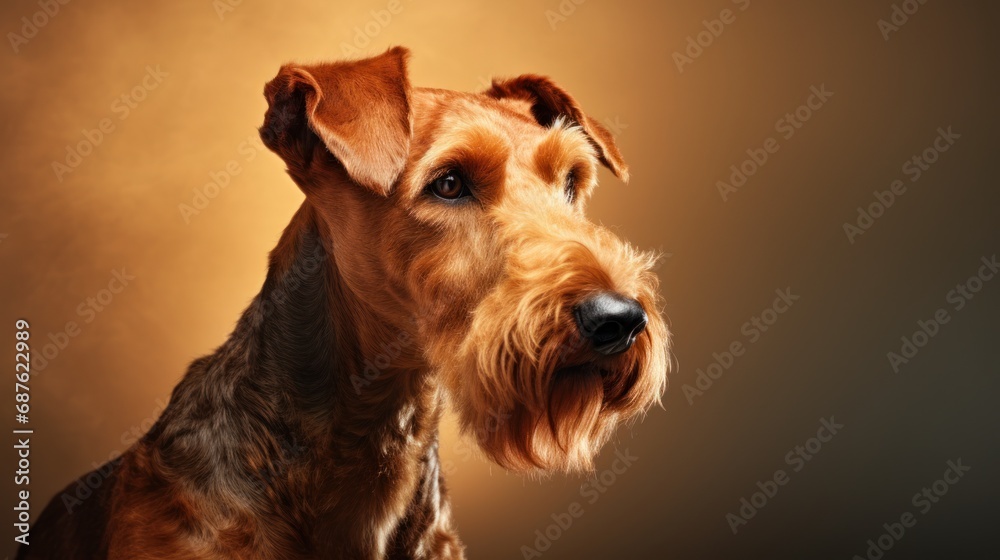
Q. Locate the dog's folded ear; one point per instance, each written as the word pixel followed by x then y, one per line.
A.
pixel 360 110
pixel 549 102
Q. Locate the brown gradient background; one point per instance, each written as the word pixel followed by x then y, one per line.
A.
pixel 826 356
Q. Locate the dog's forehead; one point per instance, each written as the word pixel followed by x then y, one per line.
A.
pixel 437 110
pixel 443 119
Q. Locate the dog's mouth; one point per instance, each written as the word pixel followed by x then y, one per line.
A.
pixel 585 380
pixel 582 370
pixel 608 380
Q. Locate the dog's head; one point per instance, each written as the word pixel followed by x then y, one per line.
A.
pixel 466 212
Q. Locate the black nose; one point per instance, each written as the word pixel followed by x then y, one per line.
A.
pixel 610 322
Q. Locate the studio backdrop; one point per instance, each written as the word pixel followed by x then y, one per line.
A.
pixel 819 179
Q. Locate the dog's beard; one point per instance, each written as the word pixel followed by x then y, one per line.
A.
pixel 532 393
pixel 556 416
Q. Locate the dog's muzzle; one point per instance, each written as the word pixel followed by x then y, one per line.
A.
pixel 610 322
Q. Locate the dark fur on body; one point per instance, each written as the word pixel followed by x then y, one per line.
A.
pixel 249 429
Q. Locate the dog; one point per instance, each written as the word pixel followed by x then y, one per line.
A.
pixel 441 255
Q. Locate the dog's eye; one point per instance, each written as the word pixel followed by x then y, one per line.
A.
pixel 571 187
pixel 449 186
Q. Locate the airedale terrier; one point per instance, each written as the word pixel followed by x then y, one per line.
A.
pixel 441 253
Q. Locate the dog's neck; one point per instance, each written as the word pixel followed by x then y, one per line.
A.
pixel 323 337
pixel 340 412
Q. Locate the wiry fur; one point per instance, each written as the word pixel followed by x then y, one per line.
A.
pixel 313 431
